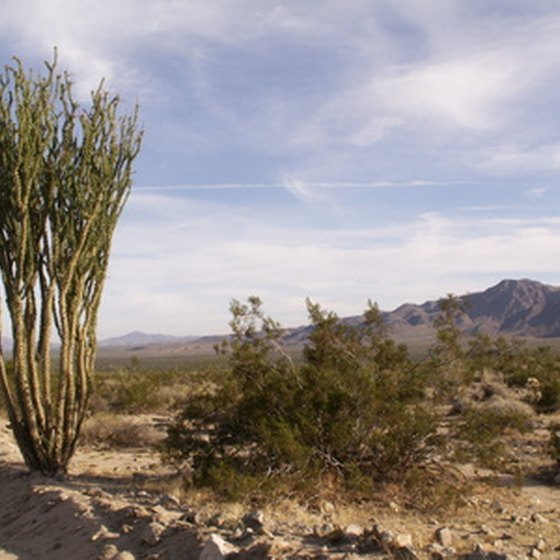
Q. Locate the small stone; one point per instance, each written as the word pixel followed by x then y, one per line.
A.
pixel 327 508
pixel 109 552
pixel 541 545
pixel 170 501
pixel 124 555
pixel 215 548
pixel 497 507
pixel 393 506
pixel 444 536
pixel 538 518
pixel 254 520
pixel 323 531
pixel 191 516
pixel 151 534
pixel 535 553
pixel 386 537
pixel 402 540
pixel 354 531
pixel 217 520
pixel 104 533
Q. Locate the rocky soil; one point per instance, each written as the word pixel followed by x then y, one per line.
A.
pixel 123 505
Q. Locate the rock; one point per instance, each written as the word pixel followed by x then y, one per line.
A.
pixel 104 533
pixel 169 501
pixel 109 552
pixel 323 531
pixel 535 553
pixel 215 548
pixel 259 551
pixel 538 518
pixel 541 545
pixel 191 516
pixel 497 507
pixel 353 531
pixel 254 520
pixel 402 540
pixel 393 506
pixel 217 520
pixel 124 555
pixel 151 534
pixel 327 508
pixel 444 536
pixel 386 537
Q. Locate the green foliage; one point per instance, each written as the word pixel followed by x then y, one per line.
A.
pixel 482 428
pixel 351 411
pixel 138 390
pixel 520 367
pixel 447 358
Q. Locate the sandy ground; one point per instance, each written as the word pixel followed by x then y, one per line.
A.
pixel 105 510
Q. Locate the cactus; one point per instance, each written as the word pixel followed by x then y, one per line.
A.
pixel 65 174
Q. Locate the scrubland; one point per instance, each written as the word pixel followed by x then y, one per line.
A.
pixel 351 449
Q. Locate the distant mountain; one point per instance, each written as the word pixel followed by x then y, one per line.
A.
pixel 140 339
pixel 520 307
pixel 524 308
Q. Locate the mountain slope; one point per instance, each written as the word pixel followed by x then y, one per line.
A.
pixel 513 307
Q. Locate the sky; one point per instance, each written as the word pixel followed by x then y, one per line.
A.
pixel 341 150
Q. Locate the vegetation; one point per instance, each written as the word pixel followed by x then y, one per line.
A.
pixel 65 174
pixel 352 412
pixel 356 410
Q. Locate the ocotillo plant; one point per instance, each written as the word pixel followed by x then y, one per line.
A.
pixel 65 174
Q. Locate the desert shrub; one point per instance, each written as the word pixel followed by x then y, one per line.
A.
pixel 117 431
pixel 542 364
pixel 481 429
pixel 351 411
pixel 134 391
pixel 447 364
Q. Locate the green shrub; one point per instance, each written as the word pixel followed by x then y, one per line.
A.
pixel 352 411
pixel 482 428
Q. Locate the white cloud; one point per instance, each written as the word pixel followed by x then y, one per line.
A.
pixel 523 158
pixel 177 269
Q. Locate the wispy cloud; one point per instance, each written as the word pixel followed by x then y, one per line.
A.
pixel 156 270
pixel 386 149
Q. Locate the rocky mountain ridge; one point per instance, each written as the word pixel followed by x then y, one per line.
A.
pixel 523 308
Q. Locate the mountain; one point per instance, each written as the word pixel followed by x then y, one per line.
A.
pixel 523 308
pixel 140 339
pixel 520 307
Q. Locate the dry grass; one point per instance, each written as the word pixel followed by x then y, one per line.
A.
pixel 107 430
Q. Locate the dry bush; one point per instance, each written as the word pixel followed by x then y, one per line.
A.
pixel 117 431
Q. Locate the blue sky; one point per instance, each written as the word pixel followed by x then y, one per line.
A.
pixel 338 149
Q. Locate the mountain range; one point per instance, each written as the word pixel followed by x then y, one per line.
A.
pixel 523 308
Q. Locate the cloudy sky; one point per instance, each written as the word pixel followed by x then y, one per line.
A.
pixel 343 150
